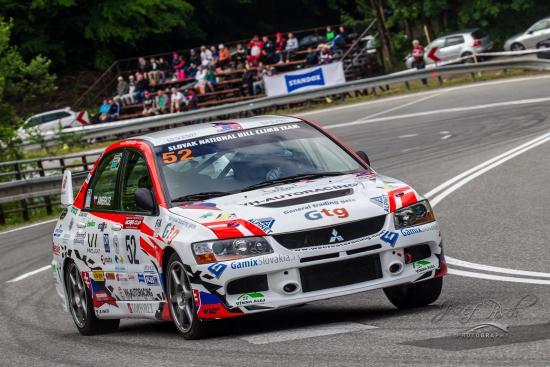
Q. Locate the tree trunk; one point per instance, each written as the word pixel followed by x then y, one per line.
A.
pixel 376 6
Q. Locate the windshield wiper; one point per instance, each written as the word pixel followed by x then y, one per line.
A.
pixel 201 196
pixel 289 179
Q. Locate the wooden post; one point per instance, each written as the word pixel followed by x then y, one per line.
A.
pixel 2 216
pixel 84 163
pixel 47 199
pixel 23 202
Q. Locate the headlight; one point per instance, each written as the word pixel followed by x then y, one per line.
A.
pixel 413 215
pixel 236 248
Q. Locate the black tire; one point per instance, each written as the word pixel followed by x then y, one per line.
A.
pixel 469 60
pixel 412 295
pixel 181 301
pixel 517 47
pixel 81 306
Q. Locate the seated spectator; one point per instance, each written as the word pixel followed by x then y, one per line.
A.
pixel 202 83
pixel 325 56
pixel 291 46
pixel 191 99
pixel 154 71
pixel 239 57
pixel 114 110
pixel 215 55
pixel 206 56
pixel 121 88
pixel 341 39
pixel 104 111
pixel 312 57
pixel 268 52
pixel 255 47
pixel 194 57
pixel 141 85
pixel 258 85
pixel 247 80
pixel 142 68
pixel 330 34
pixel 164 70
pixel 148 104
pixel 178 64
pixel 210 78
pixel 176 100
pixel 191 70
pixel 128 98
pixel 280 44
pixel 161 103
pixel 224 56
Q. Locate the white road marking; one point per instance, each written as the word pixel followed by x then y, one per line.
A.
pixel 442 111
pixel 497 277
pixel 30 273
pixel 27 227
pixel 408 136
pixel 444 132
pixel 446 137
pixel 306 332
pixel 416 101
pixel 496 269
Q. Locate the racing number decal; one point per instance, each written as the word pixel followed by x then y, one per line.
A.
pixel 131 248
pixel 173 157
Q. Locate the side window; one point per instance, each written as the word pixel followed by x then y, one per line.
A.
pixel 62 115
pixel 136 175
pixel 538 26
pixel 440 42
pixel 49 118
pixel 101 192
pixel 34 121
pixel 453 41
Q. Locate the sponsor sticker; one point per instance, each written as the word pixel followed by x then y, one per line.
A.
pixel 264 224
pixel 250 298
pixel 390 237
pixel 133 222
pixel 217 269
pixel 98 276
pixel 423 265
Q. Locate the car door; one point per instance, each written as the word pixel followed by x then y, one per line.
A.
pixel 452 48
pixel 50 122
pixel 537 32
pixel 142 269
pixel 438 45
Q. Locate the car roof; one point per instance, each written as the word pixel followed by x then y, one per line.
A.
pixel 464 31
pixel 213 128
pixel 66 109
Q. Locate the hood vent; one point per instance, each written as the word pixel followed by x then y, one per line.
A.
pixel 307 199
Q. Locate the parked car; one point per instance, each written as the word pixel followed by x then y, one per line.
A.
pixel 529 39
pixel 52 120
pixel 546 53
pixel 459 44
pixel 225 219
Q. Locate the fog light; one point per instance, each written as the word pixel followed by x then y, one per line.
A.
pixel 290 287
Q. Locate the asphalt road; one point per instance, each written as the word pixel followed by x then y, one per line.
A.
pixel 492 221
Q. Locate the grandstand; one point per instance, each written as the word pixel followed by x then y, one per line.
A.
pixel 224 80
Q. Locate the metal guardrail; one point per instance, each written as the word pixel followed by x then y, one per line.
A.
pixel 49 185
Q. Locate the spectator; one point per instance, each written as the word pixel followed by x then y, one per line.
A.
pixel 114 110
pixel 141 85
pixel 247 81
pixel 191 99
pixel 202 83
pixel 330 34
pixel 210 78
pixel 142 68
pixel 325 56
pixel 161 103
pixel 341 39
pixel 128 98
pixel 291 46
pixel 280 44
pixel 104 111
pixel 215 55
pixel 176 100
pixel 224 56
pixel 178 64
pixel 418 57
pixel 206 56
pixel 255 47
pixel 121 88
pixel 164 69
pixel 312 57
pixel 148 104
pixel 194 57
pixel 192 70
pixel 268 53
pixel 258 85
pixel 240 56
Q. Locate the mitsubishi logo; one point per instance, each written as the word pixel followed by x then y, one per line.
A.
pixel 335 237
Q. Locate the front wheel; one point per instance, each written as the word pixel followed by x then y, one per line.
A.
pixel 80 305
pixel 517 47
pixel 412 295
pixel 181 300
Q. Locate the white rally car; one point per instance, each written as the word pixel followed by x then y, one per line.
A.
pixel 228 218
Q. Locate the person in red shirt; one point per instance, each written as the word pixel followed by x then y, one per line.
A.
pixel 418 56
pixel 280 44
pixel 255 47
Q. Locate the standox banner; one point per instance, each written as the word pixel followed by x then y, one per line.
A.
pixel 305 79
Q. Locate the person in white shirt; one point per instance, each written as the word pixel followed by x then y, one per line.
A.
pixel 291 46
pixel 206 56
pixel 176 100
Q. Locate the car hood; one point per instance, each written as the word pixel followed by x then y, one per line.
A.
pixel 514 38
pixel 301 205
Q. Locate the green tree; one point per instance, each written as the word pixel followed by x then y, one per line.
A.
pixel 21 84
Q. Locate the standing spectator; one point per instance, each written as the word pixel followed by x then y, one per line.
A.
pixel 164 69
pixel 141 85
pixel 268 53
pixel 114 110
pixel 341 38
pixel 312 57
pixel 240 56
pixel 418 57
pixel 148 104
pixel 121 88
pixel 325 57
pixel 206 56
pixel 194 57
pixel 153 71
pixel 142 68
pixel 224 56
pixel 128 98
pixel 178 64
pixel 280 44
pixel 176 100
pixel 291 46
pixel 330 34
pixel 255 47
pixel 161 103
pixel 202 83
pixel 247 81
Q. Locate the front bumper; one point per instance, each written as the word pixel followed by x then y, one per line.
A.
pixel 290 277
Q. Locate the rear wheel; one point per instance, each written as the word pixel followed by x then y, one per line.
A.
pixel 412 295
pixel 181 301
pixel 80 305
pixel 469 59
pixel 517 47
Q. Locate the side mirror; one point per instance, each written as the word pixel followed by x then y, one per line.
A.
pixel 363 156
pixel 145 200
pixel 530 32
pixel 67 197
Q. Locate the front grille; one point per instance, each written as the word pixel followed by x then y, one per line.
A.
pixel 323 236
pixel 254 283
pixel 340 273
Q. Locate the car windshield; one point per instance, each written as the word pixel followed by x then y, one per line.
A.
pixel 241 160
